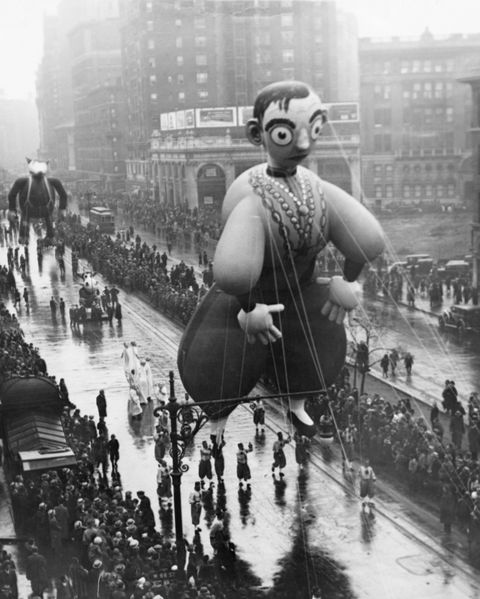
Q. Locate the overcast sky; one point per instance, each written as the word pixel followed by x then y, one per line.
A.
pixel 21 29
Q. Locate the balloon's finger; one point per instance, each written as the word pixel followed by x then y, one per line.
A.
pixel 276 308
pixel 333 313
pixel 271 337
pixel 340 315
pixel 263 338
pixel 276 332
pixel 326 308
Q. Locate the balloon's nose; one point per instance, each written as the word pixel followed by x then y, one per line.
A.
pixel 303 139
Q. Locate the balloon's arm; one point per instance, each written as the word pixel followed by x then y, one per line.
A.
pixel 258 323
pixel 353 230
pixel 60 189
pixel 13 193
pixel 239 255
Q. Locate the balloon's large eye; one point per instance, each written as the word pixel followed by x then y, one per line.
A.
pixel 316 128
pixel 281 135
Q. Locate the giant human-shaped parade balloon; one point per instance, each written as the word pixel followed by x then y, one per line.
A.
pixel 267 313
pixel 36 199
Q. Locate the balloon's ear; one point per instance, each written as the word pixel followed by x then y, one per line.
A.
pixel 253 130
pixel 28 160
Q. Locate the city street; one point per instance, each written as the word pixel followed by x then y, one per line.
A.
pixel 313 521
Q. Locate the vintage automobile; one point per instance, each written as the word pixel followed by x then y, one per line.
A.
pixel 461 319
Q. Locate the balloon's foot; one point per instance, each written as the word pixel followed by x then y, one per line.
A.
pixel 303 429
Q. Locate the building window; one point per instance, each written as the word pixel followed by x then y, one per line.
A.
pixel 388 170
pixel 201 60
pixel 416 66
pixel 200 41
pixel 178 22
pixel 404 66
pixel 202 77
pixel 438 90
pixel 153 79
pixel 286 20
pixel 378 191
pixel 389 191
pixel 199 22
pixel 438 67
pixel 450 190
pixel 152 63
pixel 149 5
pixel 151 44
pixel 406 191
pixel 449 115
pixel 427 66
pixel 179 61
pixel 288 56
pixel 377 170
pixel 429 191
pixel 181 96
pixel 287 38
pixel 202 94
pixel 418 191
pixel 440 191
pixel 178 42
pixel 149 25
pixel 153 96
pixel 427 90
pixel 416 90
pixel 180 79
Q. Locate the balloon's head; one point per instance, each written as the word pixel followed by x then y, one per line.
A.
pixel 37 168
pixel 288 117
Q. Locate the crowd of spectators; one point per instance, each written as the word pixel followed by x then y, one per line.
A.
pixel 135 266
pixel 441 468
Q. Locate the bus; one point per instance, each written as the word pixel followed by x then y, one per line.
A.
pixel 102 219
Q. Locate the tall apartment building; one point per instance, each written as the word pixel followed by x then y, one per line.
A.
pixel 73 41
pixel 414 119
pixel 192 54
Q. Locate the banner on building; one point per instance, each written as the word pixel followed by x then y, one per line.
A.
pixel 164 121
pixel 180 119
pixel 189 118
pixel 172 120
pixel 216 117
pixel 244 114
pixel 342 111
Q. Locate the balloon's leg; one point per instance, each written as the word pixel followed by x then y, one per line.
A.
pixel 300 419
pixel 217 428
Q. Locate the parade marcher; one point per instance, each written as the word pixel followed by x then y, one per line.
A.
pixel 53 307
pixel 61 306
pixel 218 458
pixel 243 470
pixel 301 450
pixel 205 464
pixel 385 363
pixel 449 395
pixel 102 404
pixel 26 296
pixel 279 459
pixel 367 484
pixel 258 414
pixel 134 408
pixel 195 501
pixel 164 481
pixel 457 429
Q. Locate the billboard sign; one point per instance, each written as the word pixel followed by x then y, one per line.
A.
pixel 340 112
pixel 216 117
pixel 244 114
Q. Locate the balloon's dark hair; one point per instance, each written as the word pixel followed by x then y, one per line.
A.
pixel 281 92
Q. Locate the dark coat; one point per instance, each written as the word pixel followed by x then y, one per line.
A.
pixel 102 405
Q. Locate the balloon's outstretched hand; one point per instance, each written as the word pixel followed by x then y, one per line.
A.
pixel 258 323
pixel 342 298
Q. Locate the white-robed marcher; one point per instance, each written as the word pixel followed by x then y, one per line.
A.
pixel 130 359
pixel 126 360
pixel 142 382
pixel 134 407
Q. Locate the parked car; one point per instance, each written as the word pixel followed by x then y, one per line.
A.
pixel 461 319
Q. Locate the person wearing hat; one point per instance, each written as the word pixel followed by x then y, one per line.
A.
pixel 36 571
pixel 102 404
pixel 457 428
pixel 97 581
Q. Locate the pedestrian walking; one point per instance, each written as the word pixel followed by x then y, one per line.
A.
pixel 243 470
pixel 301 450
pixel 447 508
pixel 102 404
pixel 218 459
pixel 113 447
pixel 367 485
pixel 53 307
pixel 118 312
pixel 384 364
pixel 279 459
pixel 408 363
pixel 26 296
pixel 61 306
pixel 457 429
pixel 36 571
